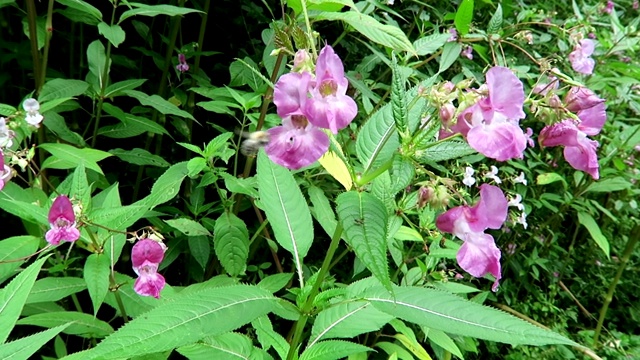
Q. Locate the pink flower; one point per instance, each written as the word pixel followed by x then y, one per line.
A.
pixel 454 35
pixel 5 171
pixel 491 126
pixel 467 52
pixel 146 256
pixel 290 93
pixel 635 5
pixel 182 64
pixel 580 57
pixel 479 254
pixel 609 8
pixel 62 221
pixel 579 151
pixel 329 107
pixel 296 143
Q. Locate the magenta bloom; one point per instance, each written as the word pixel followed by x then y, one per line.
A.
pixel 62 221
pixel 146 256
pixel 182 64
pixel 479 254
pixel 609 8
pixel 5 171
pixel 580 57
pixel 296 143
pixel 491 126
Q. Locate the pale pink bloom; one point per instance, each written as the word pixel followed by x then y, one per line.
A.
pixel 454 35
pixel 182 64
pixel 467 52
pixel 580 57
pixel 62 221
pixel 32 107
pixel 146 256
pixel 581 98
pixel 479 254
pixel 296 143
pixel 5 171
pixel 290 93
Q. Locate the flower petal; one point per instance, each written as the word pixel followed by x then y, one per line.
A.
pixel 479 256
pixel 149 284
pixel 584 157
pixel 61 208
pixel 563 133
pixel 592 119
pixel 333 112
pixel 290 93
pixel 491 211
pixel 146 250
pixel 499 140
pixel 505 92
pixel 295 148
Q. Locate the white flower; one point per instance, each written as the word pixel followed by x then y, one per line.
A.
pixel 517 202
pixel 469 180
pixel 520 179
pixel 493 175
pixel 5 134
pixel 522 220
pixel 32 107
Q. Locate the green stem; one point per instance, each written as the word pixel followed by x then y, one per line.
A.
pixel 315 290
pixel 47 45
pixel 33 38
pixel 369 176
pixel 305 12
pixel 628 250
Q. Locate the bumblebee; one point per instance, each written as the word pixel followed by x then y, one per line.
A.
pixel 253 142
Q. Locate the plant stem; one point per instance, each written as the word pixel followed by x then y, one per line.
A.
pixel 628 250
pixel 33 38
pixel 103 85
pixel 306 308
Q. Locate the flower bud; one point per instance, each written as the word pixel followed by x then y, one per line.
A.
pixel 302 61
pixel 446 112
pixel 425 195
pixel 581 98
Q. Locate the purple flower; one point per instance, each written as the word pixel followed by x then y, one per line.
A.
pixel 479 254
pixel 609 8
pixel 296 143
pixel 182 64
pixel 329 107
pixel 32 107
pixel 146 256
pixel 579 151
pixel 491 126
pixel 454 35
pixel 5 171
pixel 580 57
pixel 62 221
pixel 467 52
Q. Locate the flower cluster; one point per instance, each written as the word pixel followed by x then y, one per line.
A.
pixel 146 256
pixel 307 104
pixel 579 150
pixel 62 221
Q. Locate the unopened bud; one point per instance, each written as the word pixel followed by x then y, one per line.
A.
pixel 446 112
pixel 425 195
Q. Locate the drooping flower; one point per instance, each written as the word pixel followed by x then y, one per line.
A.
pixel 329 106
pixel 182 64
pixel 32 107
pixel 479 254
pixel 6 135
pixel 62 221
pixel 146 256
pixel 580 57
pixel 491 125
pixel 296 143
pixel 5 171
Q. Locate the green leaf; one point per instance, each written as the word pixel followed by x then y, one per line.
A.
pixel 364 218
pixel 56 123
pixel 62 88
pixel 55 288
pixel 200 247
pixel 167 186
pixel 442 151
pixel 97 268
pixel 188 227
pixel 139 156
pixel 443 340
pixel 163 106
pixel 97 58
pixel 14 251
pixel 430 44
pixel 83 325
pixel 332 350
pixel 347 320
pixel 231 243
pixel 80 188
pixel 134 304
pixel 548 178
pixel 246 186
pixel 378 139
pixel 25 347
pixel 402 173
pixel 387 35
pixel 82 6
pixel 14 296
pixel 286 209
pixel 7 110
pixel 226 346
pixel 592 226
pixel 322 210
pixel 113 33
pixel 399 97
pixel 268 338
pixel 187 318
pixel 10 202
pixel 609 185
pixel 455 315
pixel 495 24
pixel 117 89
pixel 275 282
pixel 450 53
pixel 463 18
pixel 67 157
pixel 155 10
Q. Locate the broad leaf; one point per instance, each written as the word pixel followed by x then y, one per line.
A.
pixel 450 53
pixel 431 43
pixel 464 15
pixel 113 33
pixel 62 88
pixel 14 248
pixel 11 201
pixel 231 243
pixel 163 106
pixel 268 338
pixel 442 151
pixel 70 157
pixel 82 6
pixel 495 24
pixel 117 89
pixel 188 227
pixel 139 156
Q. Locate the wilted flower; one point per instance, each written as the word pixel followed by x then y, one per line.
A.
pixel 62 221
pixel 182 64
pixel 479 254
pixel 446 112
pixel 6 135
pixel 580 57
pixel 425 194
pixel 146 256
pixel 469 180
pixel 5 171
pixel 302 61
pixel 32 107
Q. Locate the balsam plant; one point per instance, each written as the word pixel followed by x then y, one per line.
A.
pixel 430 172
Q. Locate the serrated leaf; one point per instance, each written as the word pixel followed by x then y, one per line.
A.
pixel 167 186
pixel 450 53
pixel 134 304
pixel 117 89
pixel 246 186
pixel 402 173
pixel 286 209
pixel 364 218
pixel 322 210
pixel 226 346
pixel 113 33
pixel 268 338
pixel 139 156
pixel 443 340
pixel 594 230
pixel 80 189
pixel 463 17
pixel 14 295
pixel 332 350
pixel 200 247
pixel 337 168
pixel 275 282
pixel 83 325
pixel 375 31
pixel 55 288
pixel 10 201
pixel 398 98
pixel 347 320
pixel 58 126
pixel 14 248
pixel 231 243
pixel 62 88
pixel 70 157
pixel 188 227
pixel 495 24
pixel 7 110
pixel 96 276
pixel 155 10
pixel 430 44
pixel 442 151
pixel 378 139
pixel 163 106
pixel 455 315
pixel 185 320
pixel 25 347
pixel 548 178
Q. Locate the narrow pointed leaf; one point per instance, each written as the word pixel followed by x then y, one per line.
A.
pixel 399 98
pixel 80 189
pixel 25 347
pixel 96 277
pixel 155 10
pixel 594 230
pixel 155 101
pixel 268 338
pixel 226 346
pixel 62 88
pixel 322 210
pixel 231 243
pixel 333 350
pixel 83 325
pixel 55 288
pixel 495 24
